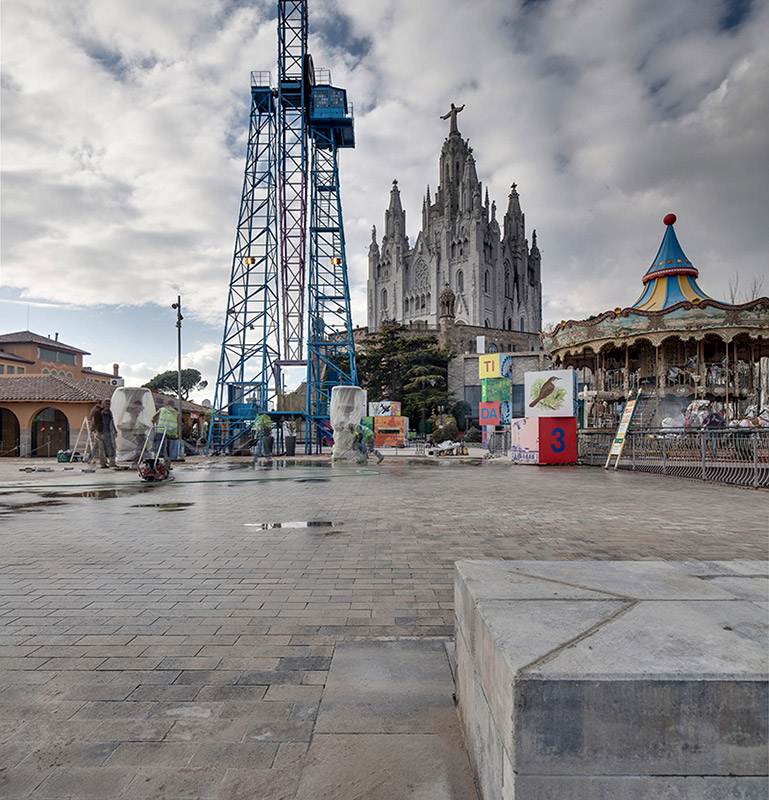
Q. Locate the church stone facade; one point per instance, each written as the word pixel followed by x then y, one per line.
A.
pixel 492 271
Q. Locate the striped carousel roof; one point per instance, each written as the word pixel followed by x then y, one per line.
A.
pixel 671 278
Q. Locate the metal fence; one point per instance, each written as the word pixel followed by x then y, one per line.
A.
pixel 733 455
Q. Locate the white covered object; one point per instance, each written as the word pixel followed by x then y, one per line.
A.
pixel 348 406
pixel 132 412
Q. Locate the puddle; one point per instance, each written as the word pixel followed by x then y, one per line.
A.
pixel 265 526
pixel 102 494
pixel 164 506
pixel 25 508
pixel 311 480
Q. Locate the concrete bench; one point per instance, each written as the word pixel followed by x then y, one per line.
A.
pixel 607 680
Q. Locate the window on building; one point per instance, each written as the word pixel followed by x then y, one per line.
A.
pixel 11 370
pixel 509 323
pixel 523 324
pixel 69 374
pixel 384 299
pixel 493 348
pixel 422 302
pixel 486 281
pixel 45 372
pixel 406 306
pixel 46 354
pixel 471 348
pixel 54 372
pixel 486 324
pixel 20 370
pixel 453 249
pixel 460 281
pixel 2 369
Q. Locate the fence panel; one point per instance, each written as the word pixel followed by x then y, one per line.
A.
pixel 737 456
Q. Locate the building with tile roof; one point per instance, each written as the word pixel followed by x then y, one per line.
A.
pixel 43 414
pixel 25 352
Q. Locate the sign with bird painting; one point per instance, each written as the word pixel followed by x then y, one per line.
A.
pixel 551 393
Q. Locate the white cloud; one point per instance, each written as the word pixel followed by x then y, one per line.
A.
pixel 124 129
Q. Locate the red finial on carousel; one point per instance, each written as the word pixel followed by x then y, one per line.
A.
pixel 669 219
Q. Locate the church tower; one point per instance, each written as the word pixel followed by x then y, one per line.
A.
pixel 494 276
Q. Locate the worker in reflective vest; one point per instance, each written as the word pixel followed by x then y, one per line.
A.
pixel 165 421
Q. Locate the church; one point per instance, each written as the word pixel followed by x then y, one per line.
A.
pixel 492 272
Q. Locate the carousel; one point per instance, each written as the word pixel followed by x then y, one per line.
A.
pixel 683 353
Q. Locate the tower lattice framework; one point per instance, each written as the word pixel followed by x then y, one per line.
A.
pixel 279 313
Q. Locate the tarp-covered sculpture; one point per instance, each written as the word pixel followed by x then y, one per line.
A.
pixel 132 411
pixel 348 405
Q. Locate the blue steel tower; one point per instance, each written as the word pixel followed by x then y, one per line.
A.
pixel 295 133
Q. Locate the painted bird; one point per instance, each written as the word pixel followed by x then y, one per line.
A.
pixel 548 387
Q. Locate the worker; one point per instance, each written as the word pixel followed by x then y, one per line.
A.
pixel 166 422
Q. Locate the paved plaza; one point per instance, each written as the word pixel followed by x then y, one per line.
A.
pixel 285 631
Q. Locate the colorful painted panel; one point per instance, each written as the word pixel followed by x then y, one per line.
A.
pixel 488 413
pixel 488 366
pixel 385 408
pixel 557 440
pixel 390 431
pixel 496 389
pixel 524 441
pixel 505 412
pixel 551 393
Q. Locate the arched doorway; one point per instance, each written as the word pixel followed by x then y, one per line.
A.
pixel 50 432
pixel 9 433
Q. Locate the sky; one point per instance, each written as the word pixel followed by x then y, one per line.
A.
pixel 124 129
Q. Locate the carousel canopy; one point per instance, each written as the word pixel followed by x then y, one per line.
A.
pixel 671 278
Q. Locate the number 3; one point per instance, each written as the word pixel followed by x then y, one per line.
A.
pixel 558 435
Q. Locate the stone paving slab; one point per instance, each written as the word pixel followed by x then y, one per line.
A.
pixel 175 591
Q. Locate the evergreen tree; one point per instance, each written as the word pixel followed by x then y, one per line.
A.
pixel 412 369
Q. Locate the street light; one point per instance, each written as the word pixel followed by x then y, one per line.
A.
pixel 178 306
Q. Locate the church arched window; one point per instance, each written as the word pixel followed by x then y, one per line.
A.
pixel 422 302
pixel 493 348
pixel 507 280
pixel 523 324
pixel 486 324
pixel 453 249
pixel 384 299
pixel 460 281
pixel 509 323
pixel 486 281
pixel 406 306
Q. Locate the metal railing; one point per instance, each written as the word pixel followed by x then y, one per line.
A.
pixel 738 456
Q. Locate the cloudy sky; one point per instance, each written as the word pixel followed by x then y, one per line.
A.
pixel 124 124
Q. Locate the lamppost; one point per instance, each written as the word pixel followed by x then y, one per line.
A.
pixel 178 306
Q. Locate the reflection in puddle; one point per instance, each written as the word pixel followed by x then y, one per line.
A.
pixel 311 480
pixel 265 526
pixel 164 506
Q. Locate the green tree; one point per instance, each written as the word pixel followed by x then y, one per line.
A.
pixel 412 369
pixel 167 382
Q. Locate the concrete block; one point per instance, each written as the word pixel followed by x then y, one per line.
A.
pixel 614 679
